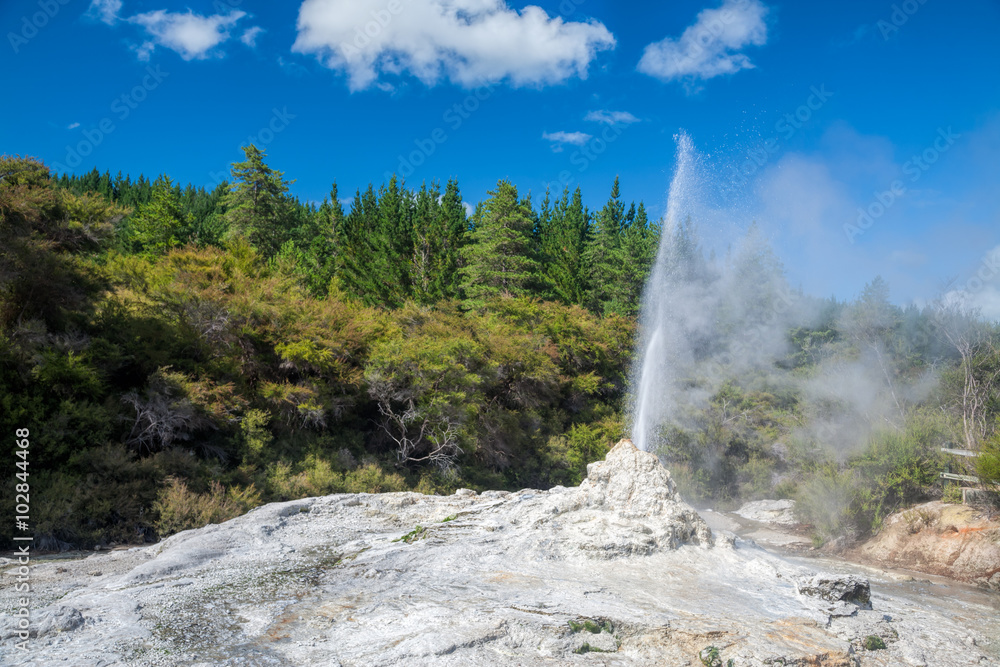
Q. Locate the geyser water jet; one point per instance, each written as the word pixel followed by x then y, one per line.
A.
pixel 660 328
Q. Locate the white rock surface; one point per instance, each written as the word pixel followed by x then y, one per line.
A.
pixel 617 571
pixel 780 512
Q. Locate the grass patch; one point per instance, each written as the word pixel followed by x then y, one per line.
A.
pixel 416 534
pixel 587 648
pixel 873 643
pixel 710 657
pixel 592 627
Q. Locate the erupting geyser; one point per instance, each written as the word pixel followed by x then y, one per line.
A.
pixel 659 327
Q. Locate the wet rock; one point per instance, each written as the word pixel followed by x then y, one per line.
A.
pixel 837 588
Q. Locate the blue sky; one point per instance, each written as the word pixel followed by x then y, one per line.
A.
pixel 806 114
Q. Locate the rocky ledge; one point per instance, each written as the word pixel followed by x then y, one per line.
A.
pixel 618 571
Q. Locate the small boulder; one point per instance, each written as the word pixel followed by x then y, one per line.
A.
pixel 837 588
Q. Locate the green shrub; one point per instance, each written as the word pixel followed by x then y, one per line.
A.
pixel 181 509
pixel 824 500
pixel 255 434
pixel 988 465
pixel 755 478
pixel 952 493
pixel 896 469
pixel 370 478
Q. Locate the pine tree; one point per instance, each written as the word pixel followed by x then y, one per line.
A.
pixel 375 246
pixel 498 262
pixel 258 207
pixel 451 225
pixel 354 240
pixel 563 241
pixel 394 242
pixel 158 225
pixel 604 257
pixel 639 244
pixel 426 244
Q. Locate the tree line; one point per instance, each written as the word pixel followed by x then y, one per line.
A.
pixel 394 244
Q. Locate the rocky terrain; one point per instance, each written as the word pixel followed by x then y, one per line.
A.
pixel 617 571
pixel 955 541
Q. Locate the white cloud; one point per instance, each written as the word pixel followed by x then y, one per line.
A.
pixel 105 11
pixel 292 68
pixel 611 117
pixel 72 126
pixel 250 36
pixel 191 35
pixel 711 46
pixel 560 138
pixel 469 42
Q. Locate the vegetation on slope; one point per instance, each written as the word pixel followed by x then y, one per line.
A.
pixel 180 356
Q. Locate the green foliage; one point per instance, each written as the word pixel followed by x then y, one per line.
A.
pixel 157 224
pixel 619 256
pixel 587 648
pixel 727 452
pixel 498 260
pixel 824 499
pixel 873 643
pixel 988 465
pixel 182 353
pixel 952 493
pixel 591 626
pixel 316 475
pixel 181 509
pixel 256 436
pixel 258 207
pixel 417 533
pixel 896 469
pixel 710 656
pixel 563 236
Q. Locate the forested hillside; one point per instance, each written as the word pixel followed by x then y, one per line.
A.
pixel 181 355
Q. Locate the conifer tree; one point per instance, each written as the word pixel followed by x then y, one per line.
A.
pixel 258 207
pixel 451 225
pixel 498 261
pixel 315 238
pixel 356 247
pixel 394 242
pixel 157 226
pixel 426 244
pixel 563 241
pixel 604 256
pixel 640 241
pixel 439 225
